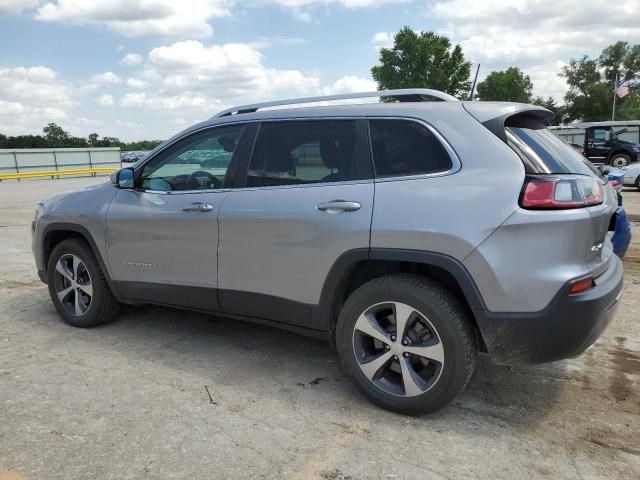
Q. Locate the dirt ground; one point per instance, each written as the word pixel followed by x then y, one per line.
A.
pixel 167 394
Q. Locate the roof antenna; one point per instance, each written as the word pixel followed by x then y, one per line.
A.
pixel 473 89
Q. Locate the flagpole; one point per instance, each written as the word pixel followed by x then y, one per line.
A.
pixel 615 86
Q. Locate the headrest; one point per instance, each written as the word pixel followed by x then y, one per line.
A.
pixel 330 152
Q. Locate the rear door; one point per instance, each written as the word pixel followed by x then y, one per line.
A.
pixel 305 199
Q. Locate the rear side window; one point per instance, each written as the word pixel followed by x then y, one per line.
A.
pixel 543 152
pixel 405 147
pixel 304 152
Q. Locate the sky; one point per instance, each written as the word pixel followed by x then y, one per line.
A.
pixel 146 69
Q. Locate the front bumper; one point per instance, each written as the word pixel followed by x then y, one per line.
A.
pixel 565 328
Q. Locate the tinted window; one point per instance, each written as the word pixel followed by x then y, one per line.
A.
pixel 405 147
pixel 198 162
pixel 544 152
pixel 301 152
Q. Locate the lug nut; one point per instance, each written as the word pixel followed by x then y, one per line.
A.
pixel 395 357
pixel 393 338
pixel 405 342
pixel 406 354
pixel 387 347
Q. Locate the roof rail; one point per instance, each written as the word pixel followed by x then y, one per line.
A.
pixel 402 95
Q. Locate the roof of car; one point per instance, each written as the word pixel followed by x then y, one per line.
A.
pixel 416 107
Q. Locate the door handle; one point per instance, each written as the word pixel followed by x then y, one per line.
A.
pixel 198 207
pixel 337 206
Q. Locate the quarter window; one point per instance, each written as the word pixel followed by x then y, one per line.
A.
pixel 304 152
pixel 199 162
pixel 405 147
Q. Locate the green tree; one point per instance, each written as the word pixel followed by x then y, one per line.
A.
pixel 55 135
pixel 423 60
pixel 591 84
pixel 550 104
pixel 93 139
pixel 510 85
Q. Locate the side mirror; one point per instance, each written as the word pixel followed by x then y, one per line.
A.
pixel 122 178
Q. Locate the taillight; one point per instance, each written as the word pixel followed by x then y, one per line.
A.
pixel 617 185
pixel 553 192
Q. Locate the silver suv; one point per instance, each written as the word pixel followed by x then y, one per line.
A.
pixel 411 234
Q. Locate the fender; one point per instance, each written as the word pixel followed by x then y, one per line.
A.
pixel 324 312
pixel 82 231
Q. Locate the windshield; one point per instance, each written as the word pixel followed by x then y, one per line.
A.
pixel 544 152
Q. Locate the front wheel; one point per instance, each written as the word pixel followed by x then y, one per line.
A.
pixel 77 286
pixel 620 160
pixel 406 342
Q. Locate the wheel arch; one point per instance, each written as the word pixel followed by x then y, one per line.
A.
pixel 356 267
pixel 55 233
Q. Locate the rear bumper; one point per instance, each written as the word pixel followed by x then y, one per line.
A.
pixel 565 328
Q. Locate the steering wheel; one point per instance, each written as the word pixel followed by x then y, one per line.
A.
pixel 193 183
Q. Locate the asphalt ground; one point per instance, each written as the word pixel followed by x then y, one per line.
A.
pixel 164 394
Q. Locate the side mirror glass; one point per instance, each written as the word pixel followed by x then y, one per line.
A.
pixel 122 178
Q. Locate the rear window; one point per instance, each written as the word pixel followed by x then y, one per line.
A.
pixel 405 147
pixel 543 152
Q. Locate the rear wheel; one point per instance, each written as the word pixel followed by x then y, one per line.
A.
pixel 77 285
pixel 406 342
pixel 620 160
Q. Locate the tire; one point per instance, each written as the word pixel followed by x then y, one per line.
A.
pixel 620 160
pixel 438 327
pixel 638 182
pixel 77 285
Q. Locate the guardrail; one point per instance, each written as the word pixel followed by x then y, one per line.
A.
pixel 55 173
pixel 55 162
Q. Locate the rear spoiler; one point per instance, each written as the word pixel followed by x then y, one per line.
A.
pixel 495 116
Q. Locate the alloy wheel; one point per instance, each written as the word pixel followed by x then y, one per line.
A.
pixel 72 283
pixel 398 349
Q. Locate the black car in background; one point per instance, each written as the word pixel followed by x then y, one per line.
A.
pixel 611 143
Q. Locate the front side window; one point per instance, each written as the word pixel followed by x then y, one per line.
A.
pixel 304 152
pixel 199 162
pixel 405 147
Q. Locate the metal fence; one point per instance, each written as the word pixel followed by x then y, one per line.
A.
pixel 22 160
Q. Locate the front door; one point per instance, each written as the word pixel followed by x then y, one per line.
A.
pixel 598 144
pixel 162 236
pixel 306 200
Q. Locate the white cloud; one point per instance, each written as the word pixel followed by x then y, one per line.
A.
pixel 105 79
pixel 105 100
pixel 344 3
pixel 30 97
pixel 350 84
pixel 230 71
pixel 382 40
pixel 10 108
pixel 134 19
pixel 15 7
pixel 539 36
pixel 187 19
pixel 136 83
pixel 132 59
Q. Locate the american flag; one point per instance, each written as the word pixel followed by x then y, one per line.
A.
pixel 622 87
